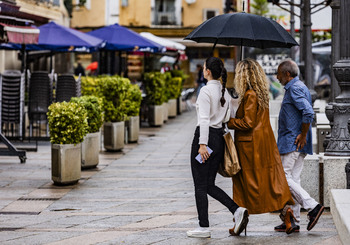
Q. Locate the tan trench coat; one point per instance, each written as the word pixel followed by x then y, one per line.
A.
pixel 261 185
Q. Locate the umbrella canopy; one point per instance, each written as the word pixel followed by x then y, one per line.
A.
pixel 60 38
pixel 121 38
pixel 92 66
pixel 167 59
pixel 242 29
pixel 165 42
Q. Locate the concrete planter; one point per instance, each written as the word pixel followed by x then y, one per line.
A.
pixel 165 111
pixel 65 163
pixel 133 126
pixel 155 115
pixel 113 135
pixel 172 110
pixel 90 149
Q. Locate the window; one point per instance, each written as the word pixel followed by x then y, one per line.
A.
pixel 56 2
pixel 164 12
pixel 209 13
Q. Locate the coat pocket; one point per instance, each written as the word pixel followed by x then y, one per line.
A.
pixel 245 138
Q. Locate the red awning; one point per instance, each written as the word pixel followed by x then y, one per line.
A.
pixel 21 34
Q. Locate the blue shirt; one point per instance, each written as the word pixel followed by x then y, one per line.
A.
pixel 296 109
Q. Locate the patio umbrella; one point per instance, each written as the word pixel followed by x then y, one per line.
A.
pixel 170 45
pixel 121 38
pixel 92 66
pixel 167 59
pixel 242 29
pixel 59 38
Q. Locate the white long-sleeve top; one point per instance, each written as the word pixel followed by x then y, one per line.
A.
pixel 210 113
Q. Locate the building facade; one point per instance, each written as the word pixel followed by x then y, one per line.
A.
pixel 33 12
pixel 171 19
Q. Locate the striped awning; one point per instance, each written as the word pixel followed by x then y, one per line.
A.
pixel 21 34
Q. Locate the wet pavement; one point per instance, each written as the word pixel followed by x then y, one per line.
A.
pixel 142 195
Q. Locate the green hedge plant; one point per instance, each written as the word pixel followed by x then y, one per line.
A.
pixel 93 106
pixel 90 85
pixel 68 123
pixel 113 91
pixel 155 88
pixel 175 87
pixel 133 100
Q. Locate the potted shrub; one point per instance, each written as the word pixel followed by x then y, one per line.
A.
pixel 90 147
pixel 132 106
pixel 155 96
pixel 89 85
pixel 113 91
pixel 68 126
pixel 183 76
pixel 174 87
pixel 166 77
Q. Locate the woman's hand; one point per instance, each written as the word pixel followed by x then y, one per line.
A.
pixel 203 152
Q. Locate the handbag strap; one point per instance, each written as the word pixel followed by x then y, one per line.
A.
pixel 224 124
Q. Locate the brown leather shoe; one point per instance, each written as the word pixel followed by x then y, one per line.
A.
pixel 289 221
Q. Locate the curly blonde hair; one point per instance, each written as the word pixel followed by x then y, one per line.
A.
pixel 250 75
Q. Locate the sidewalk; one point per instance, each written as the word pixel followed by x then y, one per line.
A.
pixel 143 195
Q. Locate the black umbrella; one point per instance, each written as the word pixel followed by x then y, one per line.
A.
pixel 242 29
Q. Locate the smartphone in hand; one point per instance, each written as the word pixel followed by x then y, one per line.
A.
pixel 199 157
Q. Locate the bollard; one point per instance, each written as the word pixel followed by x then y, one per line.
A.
pixel 347 171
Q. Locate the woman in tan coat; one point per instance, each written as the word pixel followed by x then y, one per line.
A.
pixel 261 185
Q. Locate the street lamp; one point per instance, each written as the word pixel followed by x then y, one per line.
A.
pixel 339 142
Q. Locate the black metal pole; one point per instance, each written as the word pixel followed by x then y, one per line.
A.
pixel 308 44
pixel 292 28
pixel 23 52
pixel 347 171
pixel 335 5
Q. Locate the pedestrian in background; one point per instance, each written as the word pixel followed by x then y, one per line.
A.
pixel 165 68
pixel 212 106
pixel 201 80
pixel 294 143
pixel 261 185
pixel 79 70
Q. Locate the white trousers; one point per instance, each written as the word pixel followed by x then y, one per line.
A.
pixel 293 165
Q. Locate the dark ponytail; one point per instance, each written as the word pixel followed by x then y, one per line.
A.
pixel 224 80
pixel 218 70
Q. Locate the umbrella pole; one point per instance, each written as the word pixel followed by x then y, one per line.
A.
pixel 51 54
pixel 242 53
pixel 23 51
pixel 120 63
pixel 212 51
pixel 99 63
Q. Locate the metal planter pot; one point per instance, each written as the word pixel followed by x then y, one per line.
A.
pixel 133 129
pixel 113 135
pixel 178 106
pixel 172 108
pixel 65 163
pixel 156 114
pixel 90 150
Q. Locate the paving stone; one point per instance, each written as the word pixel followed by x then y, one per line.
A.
pixel 141 195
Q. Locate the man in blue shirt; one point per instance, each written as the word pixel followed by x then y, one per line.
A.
pixel 294 142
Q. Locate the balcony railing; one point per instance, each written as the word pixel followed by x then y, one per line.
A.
pixel 49 2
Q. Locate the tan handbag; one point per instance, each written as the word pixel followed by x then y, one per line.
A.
pixel 230 165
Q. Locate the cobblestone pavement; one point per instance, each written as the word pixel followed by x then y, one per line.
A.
pixel 142 195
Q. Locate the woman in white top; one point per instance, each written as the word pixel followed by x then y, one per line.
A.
pixel 212 105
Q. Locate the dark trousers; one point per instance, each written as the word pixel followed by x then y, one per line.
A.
pixel 204 175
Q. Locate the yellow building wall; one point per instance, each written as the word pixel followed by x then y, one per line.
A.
pixel 93 17
pixel 137 13
pixel 193 13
